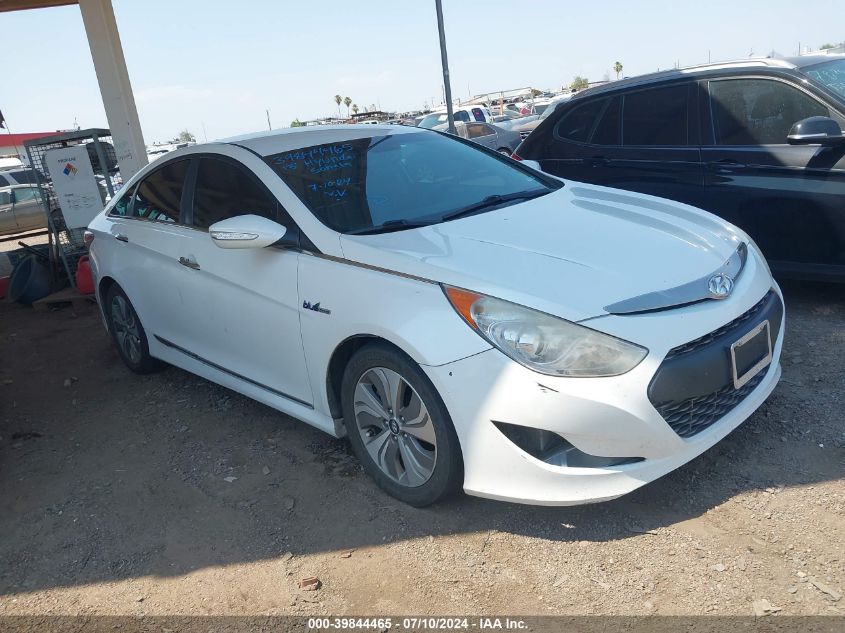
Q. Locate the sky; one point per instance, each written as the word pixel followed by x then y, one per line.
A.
pixel 214 67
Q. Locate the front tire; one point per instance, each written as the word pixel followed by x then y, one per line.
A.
pixel 128 334
pixel 399 427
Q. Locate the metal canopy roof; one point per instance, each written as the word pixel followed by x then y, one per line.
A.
pixel 19 5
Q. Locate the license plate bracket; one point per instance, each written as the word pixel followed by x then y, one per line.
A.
pixel 751 354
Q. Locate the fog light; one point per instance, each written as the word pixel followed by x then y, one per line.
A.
pixel 554 450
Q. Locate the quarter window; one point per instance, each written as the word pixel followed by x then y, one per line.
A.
pixel 656 117
pixel 159 195
pixel 578 123
pixel 758 111
pixel 4 181
pixel 224 190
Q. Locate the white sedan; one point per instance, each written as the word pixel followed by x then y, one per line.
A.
pixel 465 320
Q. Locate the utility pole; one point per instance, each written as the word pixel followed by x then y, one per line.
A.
pixel 269 127
pixel 447 88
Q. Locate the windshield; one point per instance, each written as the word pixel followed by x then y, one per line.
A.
pixel 399 179
pixel 829 74
pixel 432 119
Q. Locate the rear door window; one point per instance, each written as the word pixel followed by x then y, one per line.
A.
pixel 159 195
pixel 225 190
pixel 577 124
pixel 609 128
pixel 658 116
pixel 478 114
pixel 758 111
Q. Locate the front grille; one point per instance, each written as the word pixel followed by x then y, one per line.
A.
pixel 693 387
pixel 692 416
pixel 702 341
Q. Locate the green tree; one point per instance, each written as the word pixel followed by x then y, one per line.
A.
pixel 186 137
pixel 826 46
pixel 617 67
pixel 296 123
pixel 579 83
pixel 338 100
pixel 347 102
pixel 355 108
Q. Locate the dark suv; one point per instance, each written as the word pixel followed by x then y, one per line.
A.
pixel 757 142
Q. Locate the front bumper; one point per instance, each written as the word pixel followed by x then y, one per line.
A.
pixel 607 417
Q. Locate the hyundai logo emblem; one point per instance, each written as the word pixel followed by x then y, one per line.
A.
pixel 720 286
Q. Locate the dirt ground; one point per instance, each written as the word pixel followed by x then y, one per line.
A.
pixel 166 494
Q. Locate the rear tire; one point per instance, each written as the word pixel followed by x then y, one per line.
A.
pixel 128 334
pixel 505 151
pixel 399 427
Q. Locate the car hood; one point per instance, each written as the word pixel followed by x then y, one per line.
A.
pixel 571 253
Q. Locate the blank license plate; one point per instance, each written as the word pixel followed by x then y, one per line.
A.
pixel 751 353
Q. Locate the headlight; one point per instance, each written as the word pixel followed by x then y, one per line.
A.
pixel 544 343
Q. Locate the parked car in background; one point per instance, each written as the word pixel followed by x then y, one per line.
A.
pixel 439 121
pixel 20 210
pixel 757 142
pixel 525 128
pixel 464 320
pixel 492 136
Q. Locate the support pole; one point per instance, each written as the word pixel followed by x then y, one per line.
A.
pixel 115 88
pixel 447 88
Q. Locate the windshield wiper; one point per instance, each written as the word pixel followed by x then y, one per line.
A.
pixel 494 201
pixel 390 225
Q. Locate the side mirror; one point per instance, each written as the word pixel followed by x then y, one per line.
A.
pixel 246 231
pixel 816 130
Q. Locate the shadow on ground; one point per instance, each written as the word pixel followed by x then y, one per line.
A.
pixel 105 475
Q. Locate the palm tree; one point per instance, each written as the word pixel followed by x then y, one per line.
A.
pixel 618 68
pixel 347 102
pixel 338 99
pixel 355 108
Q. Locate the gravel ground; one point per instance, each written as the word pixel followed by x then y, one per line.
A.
pixel 166 494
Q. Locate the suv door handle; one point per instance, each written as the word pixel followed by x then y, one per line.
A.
pixel 598 161
pixel 189 262
pixel 120 237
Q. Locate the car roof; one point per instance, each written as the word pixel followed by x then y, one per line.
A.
pixel 278 141
pixel 789 63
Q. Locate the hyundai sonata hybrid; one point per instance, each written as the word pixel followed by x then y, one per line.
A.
pixel 465 320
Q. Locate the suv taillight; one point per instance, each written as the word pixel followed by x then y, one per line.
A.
pixel 516 156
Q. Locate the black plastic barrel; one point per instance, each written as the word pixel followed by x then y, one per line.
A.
pixel 30 281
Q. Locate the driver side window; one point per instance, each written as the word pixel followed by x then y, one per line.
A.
pixel 224 190
pixel 758 111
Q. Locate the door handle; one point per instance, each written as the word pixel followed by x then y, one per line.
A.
pixel 598 161
pixel 120 237
pixel 725 163
pixel 189 262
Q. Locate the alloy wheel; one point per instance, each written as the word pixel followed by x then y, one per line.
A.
pixel 125 327
pixel 395 426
